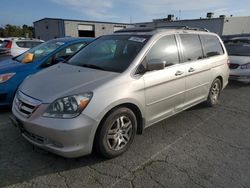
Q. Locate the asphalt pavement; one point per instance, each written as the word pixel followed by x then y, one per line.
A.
pixel 200 147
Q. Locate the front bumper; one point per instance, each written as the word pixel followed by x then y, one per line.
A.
pixel 65 137
pixel 242 75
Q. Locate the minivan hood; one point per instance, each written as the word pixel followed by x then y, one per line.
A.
pixel 239 59
pixel 63 80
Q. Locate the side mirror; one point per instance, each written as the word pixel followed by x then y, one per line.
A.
pixel 28 58
pixel 155 64
pixel 58 60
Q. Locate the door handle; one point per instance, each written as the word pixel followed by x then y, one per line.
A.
pixel 191 70
pixel 178 73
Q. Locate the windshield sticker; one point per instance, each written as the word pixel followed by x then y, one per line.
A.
pixel 137 39
pixel 60 43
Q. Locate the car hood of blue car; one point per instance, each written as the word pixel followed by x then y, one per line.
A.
pixel 11 65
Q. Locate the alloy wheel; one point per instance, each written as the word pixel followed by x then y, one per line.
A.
pixel 119 133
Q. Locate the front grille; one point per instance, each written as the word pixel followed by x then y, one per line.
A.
pixel 32 136
pixel 25 105
pixel 233 66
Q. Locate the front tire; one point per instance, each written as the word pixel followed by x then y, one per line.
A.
pixel 116 132
pixel 214 93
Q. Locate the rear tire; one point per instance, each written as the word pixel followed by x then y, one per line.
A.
pixel 116 133
pixel 214 93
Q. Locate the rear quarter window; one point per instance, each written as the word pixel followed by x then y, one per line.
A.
pixel 212 46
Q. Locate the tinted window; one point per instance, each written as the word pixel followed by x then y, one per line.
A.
pixel 211 45
pixel 20 44
pixel 191 47
pixel 41 50
pixel 165 49
pixel 64 53
pixel 27 44
pixel 238 48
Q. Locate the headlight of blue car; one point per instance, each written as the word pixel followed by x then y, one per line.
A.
pixel 5 77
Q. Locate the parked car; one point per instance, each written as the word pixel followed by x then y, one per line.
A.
pixel 15 70
pixel 17 46
pixel 1 41
pixel 117 86
pixel 239 58
pixel 4 51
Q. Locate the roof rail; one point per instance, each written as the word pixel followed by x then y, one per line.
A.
pixel 135 29
pixel 185 27
pixel 171 27
pixel 149 29
pixel 197 29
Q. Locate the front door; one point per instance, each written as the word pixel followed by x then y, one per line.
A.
pixel 164 89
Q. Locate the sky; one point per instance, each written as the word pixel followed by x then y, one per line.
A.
pixel 19 12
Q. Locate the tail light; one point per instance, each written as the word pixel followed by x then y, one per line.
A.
pixel 9 44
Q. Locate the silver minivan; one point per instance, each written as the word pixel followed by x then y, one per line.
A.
pixel 117 86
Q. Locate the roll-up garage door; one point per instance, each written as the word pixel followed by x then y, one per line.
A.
pixel 86 30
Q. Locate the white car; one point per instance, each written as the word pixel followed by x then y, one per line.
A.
pixel 18 46
pixel 239 58
pixel 1 41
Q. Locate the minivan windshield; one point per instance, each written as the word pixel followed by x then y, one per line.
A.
pixel 40 51
pixel 238 47
pixel 110 53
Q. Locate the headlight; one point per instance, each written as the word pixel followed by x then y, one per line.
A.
pixel 5 77
pixel 245 66
pixel 68 107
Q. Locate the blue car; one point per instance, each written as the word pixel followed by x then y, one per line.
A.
pixel 14 71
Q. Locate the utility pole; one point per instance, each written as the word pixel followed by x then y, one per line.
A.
pixel 179 14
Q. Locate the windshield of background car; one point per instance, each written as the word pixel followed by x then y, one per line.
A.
pixel 41 50
pixel 110 53
pixel 238 47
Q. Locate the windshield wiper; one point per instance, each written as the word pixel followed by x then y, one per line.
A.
pixel 92 66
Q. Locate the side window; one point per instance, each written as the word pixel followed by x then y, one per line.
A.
pixel 69 51
pixel 191 47
pixel 64 53
pixel 165 49
pixel 212 45
pixel 32 44
pixel 21 44
pixel 28 45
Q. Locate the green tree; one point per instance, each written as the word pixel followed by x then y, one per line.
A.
pixel 28 31
pixel 12 31
pixel 17 31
